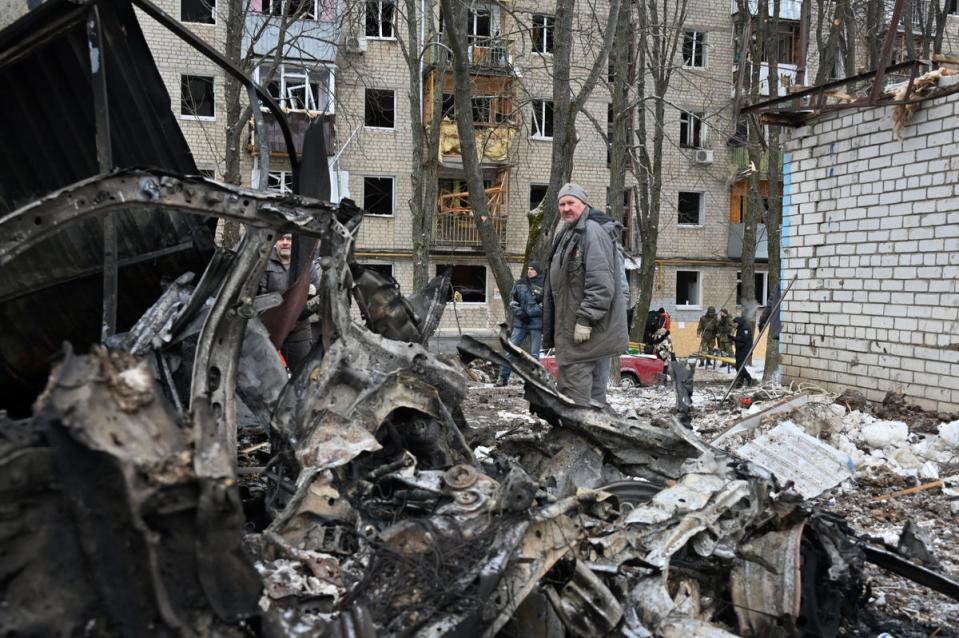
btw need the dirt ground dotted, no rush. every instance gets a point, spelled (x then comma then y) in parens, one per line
(894, 604)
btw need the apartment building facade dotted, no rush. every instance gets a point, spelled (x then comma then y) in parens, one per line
(346, 63)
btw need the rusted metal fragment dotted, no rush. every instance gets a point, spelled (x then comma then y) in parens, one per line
(387, 312)
(765, 584)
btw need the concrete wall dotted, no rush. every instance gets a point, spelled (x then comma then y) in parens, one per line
(871, 234)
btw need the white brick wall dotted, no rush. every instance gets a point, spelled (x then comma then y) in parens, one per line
(870, 227)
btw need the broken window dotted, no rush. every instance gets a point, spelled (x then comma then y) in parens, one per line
(536, 194)
(469, 282)
(479, 27)
(688, 288)
(449, 106)
(482, 110)
(761, 280)
(690, 130)
(787, 43)
(378, 195)
(379, 19)
(297, 88)
(690, 208)
(542, 35)
(196, 96)
(297, 9)
(279, 181)
(543, 119)
(380, 108)
(201, 11)
(694, 49)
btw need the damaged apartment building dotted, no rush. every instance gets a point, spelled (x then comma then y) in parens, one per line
(345, 63)
(162, 473)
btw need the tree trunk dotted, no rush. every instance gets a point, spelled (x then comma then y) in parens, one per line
(773, 218)
(565, 108)
(455, 14)
(425, 139)
(234, 127)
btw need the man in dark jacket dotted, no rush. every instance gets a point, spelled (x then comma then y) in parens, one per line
(526, 306)
(276, 279)
(744, 342)
(585, 298)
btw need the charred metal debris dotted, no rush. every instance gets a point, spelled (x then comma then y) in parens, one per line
(176, 480)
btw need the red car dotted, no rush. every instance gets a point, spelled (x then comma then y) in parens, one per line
(634, 369)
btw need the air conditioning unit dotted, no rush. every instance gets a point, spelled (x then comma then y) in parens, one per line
(354, 44)
(703, 156)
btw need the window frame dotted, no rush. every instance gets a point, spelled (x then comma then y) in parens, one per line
(699, 291)
(285, 71)
(313, 14)
(379, 22)
(702, 48)
(548, 29)
(193, 116)
(694, 124)
(393, 194)
(281, 176)
(212, 13)
(366, 93)
(702, 209)
(540, 105)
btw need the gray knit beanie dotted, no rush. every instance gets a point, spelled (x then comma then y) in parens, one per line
(576, 191)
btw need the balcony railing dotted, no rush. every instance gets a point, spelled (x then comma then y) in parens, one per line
(453, 224)
(298, 121)
(489, 52)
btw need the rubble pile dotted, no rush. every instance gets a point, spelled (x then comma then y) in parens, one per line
(177, 480)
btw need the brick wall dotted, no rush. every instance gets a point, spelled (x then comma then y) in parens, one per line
(871, 234)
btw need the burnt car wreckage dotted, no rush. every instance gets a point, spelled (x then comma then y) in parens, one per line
(175, 480)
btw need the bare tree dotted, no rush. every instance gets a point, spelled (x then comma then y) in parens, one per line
(455, 14)
(421, 35)
(660, 31)
(567, 104)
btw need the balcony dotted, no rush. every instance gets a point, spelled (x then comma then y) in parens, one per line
(453, 225)
(307, 38)
(299, 121)
(493, 141)
(490, 53)
(734, 243)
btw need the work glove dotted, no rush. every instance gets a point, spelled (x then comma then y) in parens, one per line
(313, 303)
(581, 333)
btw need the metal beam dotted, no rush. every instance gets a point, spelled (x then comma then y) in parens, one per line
(101, 118)
(886, 54)
(139, 190)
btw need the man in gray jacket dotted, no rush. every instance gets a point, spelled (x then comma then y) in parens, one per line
(585, 299)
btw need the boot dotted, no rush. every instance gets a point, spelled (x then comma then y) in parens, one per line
(501, 382)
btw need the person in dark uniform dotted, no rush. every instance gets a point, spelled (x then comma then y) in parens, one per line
(744, 342)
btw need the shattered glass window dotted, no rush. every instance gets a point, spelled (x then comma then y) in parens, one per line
(543, 119)
(694, 49)
(449, 106)
(380, 108)
(690, 208)
(688, 288)
(299, 9)
(201, 11)
(279, 181)
(379, 19)
(761, 280)
(378, 195)
(690, 130)
(469, 282)
(542, 35)
(536, 194)
(196, 96)
(299, 89)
